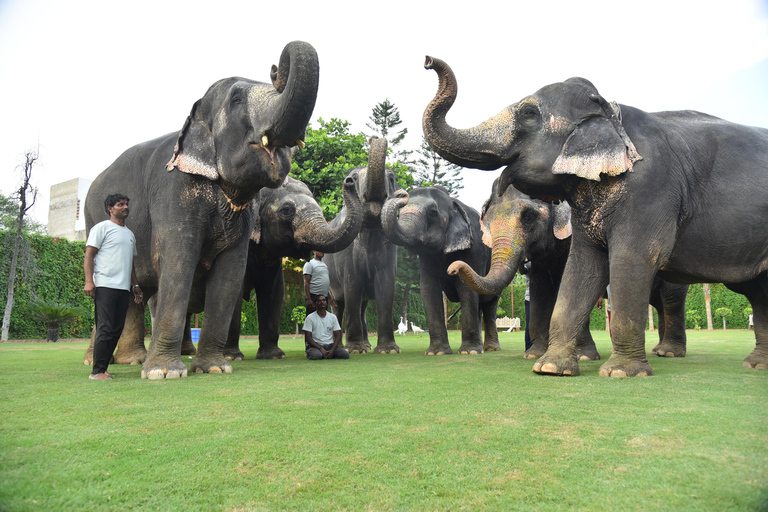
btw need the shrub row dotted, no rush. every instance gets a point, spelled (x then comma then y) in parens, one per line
(52, 268)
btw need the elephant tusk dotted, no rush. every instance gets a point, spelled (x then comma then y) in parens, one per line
(300, 143)
(264, 141)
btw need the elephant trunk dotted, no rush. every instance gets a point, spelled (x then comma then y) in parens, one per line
(338, 234)
(506, 255)
(376, 186)
(389, 220)
(296, 80)
(482, 147)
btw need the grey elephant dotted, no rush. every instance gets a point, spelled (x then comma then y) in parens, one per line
(366, 269)
(442, 230)
(667, 193)
(191, 195)
(542, 235)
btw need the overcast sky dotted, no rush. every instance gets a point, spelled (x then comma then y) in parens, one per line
(88, 79)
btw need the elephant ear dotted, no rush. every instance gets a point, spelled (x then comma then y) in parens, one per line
(458, 237)
(561, 220)
(598, 145)
(195, 152)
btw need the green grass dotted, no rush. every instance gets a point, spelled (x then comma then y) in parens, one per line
(386, 432)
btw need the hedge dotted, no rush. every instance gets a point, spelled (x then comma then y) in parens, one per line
(54, 270)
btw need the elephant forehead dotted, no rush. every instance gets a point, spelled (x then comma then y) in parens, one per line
(557, 124)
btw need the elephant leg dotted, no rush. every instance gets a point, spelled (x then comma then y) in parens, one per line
(364, 323)
(187, 347)
(756, 292)
(543, 290)
(88, 356)
(269, 296)
(471, 341)
(353, 318)
(338, 310)
(632, 277)
(231, 348)
(169, 311)
(130, 346)
(432, 297)
(584, 279)
(669, 301)
(223, 294)
(491, 338)
(585, 345)
(384, 289)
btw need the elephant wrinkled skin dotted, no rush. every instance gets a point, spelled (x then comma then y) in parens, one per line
(442, 230)
(191, 196)
(667, 193)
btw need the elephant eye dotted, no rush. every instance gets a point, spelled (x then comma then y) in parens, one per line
(237, 100)
(528, 216)
(529, 114)
(287, 210)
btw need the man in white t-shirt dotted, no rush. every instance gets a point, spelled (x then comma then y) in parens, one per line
(322, 333)
(317, 281)
(109, 279)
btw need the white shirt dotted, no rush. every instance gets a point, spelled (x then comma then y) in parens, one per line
(113, 262)
(322, 328)
(319, 281)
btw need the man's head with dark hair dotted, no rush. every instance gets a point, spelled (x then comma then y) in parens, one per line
(112, 199)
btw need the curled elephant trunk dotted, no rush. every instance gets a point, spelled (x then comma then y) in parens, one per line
(338, 234)
(505, 258)
(296, 79)
(376, 189)
(389, 220)
(482, 147)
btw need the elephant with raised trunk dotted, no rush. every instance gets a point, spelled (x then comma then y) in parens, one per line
(667, 193)
(366, 269)
(442, 230)
(520, 228)
(191, 195)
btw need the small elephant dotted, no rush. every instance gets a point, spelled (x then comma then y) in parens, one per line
(191, 194)
(667, 193)
(542, 235)
(442, 230)
(366, 269)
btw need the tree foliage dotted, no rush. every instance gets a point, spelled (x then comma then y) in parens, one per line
(384, 118)
(432, 169)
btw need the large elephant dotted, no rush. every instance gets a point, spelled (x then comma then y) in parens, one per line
(366, 269)
(191, 196)
(667, 193)
(442, 230)
(542, 232)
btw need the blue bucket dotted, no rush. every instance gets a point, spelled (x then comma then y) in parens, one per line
(195, 335)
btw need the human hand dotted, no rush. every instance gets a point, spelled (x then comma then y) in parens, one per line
(138, 295)
(89, 289)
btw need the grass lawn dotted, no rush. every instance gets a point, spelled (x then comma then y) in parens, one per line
(386, 432)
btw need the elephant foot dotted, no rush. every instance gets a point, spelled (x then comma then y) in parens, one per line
(756, 360)
(471, 348)
(588, 353)
(668, 350)
(268, 353)
(535, 351)
(88, 357)
(210, 364)
(156, 368)
(439, 350)
(616, 367)
(133, 355)
(552, 363)
(387, 347)
(233, 354)
(188, 348)
(357, 347)
(492, 346)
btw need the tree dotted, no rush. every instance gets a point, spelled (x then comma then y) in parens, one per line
(9, 212)
(431, 169)
(723, 312)
(385, 117)
(25, 204)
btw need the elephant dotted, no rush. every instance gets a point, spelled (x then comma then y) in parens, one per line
(542, 232)
(667, 193)
(191, 194)
(366, 269)
(441, 230)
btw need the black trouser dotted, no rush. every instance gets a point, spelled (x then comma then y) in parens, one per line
(314, 354)
(110, 308)
(527, 318)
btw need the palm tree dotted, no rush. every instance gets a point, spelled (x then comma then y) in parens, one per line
(54, 314)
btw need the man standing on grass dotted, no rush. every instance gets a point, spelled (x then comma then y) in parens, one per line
(317, 281)
(109, 279)
(322, 333)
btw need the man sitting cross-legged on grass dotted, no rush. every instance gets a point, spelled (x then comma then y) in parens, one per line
(322, 333)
